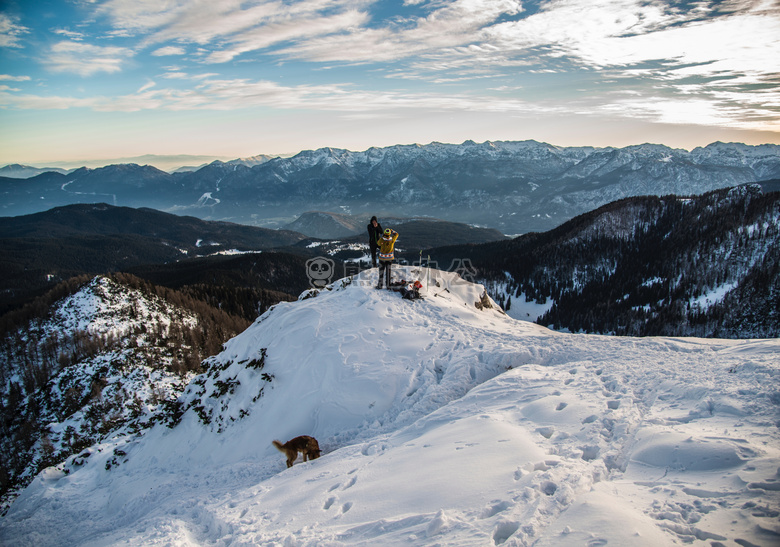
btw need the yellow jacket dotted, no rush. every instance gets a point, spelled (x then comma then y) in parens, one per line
(386, 246)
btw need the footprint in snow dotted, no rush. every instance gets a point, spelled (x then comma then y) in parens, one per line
(495, 507)
(546, 431)
(590, 452)
(548, 488)
(561, 406)
(504, 531)
(545, 465)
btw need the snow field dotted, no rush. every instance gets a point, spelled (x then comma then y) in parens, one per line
(441, 424)
(99, 305)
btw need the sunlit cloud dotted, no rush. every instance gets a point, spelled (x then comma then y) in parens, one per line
(701, 112)
(11, 31)
(756, 111)
(69, 34)
(236, 24)
(86, 59)
(456, 24)
(283, 31)
(169, 50)
(148, 85)
(9, 78)
(216, 94)
(705, 63)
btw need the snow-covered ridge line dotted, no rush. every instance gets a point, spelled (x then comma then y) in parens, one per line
(104, 363)
(717, 153)
(440, 422)
(516, 187)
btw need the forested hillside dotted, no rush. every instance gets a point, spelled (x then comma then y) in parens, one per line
(94, 358)
(681, 266)
(42, 249)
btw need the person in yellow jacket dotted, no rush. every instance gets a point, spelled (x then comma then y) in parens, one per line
(386, 256)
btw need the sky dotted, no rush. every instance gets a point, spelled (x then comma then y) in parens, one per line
(85, 80)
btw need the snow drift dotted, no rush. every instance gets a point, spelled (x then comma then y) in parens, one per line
(441, 422)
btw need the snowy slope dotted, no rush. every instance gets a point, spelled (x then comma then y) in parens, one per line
(101, 361)
(441, 424)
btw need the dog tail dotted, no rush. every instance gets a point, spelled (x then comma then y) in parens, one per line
(278, 446)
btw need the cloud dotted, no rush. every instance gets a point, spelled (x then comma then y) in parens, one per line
(233, 94)
(285, 31)
(85, 59)
(11, 31)
(223, 21)
(697, 111)
(624, 33)
(76, 36)
(452, 25)
(755, 110)
(9, 78)
(473, 36)
(311, 30)
(169, 50)
(692, 60)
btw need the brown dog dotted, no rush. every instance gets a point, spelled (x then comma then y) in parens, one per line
(304, 444)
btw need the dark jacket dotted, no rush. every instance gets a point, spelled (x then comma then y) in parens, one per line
(374, 234)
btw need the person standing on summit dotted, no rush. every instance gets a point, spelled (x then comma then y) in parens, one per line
(374, 235)
(386, 256)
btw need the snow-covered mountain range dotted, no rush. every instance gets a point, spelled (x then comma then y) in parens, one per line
(442, 422)
(516, 187)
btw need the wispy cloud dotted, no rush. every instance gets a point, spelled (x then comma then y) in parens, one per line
(457, 24)
(282, 31)
(169, 50)
(697, 111)
(472, 36)
(86, 59)
(9, 78)
(11, 31)
(224, 94)
(69, 34)
(706, 62)
(175, 75)
(230, 23)
(148, 85)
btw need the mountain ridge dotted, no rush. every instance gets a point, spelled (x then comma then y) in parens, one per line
(702, 266)
(515, 187)
(44, 248)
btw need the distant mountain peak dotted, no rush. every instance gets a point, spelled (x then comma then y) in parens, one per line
(513, 186)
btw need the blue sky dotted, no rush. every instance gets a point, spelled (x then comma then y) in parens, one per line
(89, 80)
